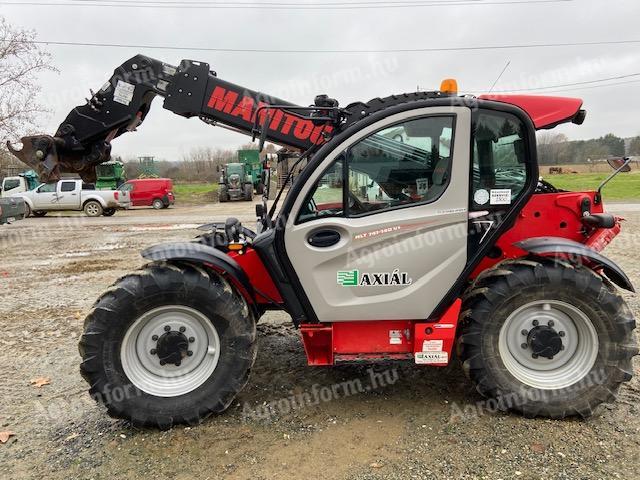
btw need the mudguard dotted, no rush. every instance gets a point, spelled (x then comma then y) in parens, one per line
(203, 254)
(556, 246)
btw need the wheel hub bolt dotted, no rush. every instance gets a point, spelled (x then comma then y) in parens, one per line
(189, 353)
(178, 364)
(550, 323)
(524, 345)
(167, 328)
(561, 347)
(182, 329)
(192, 339)
(535, 323)
(154, 337)
(153, 351)
(533, 355)
(525, 332)
(162, 362)
(561, 333)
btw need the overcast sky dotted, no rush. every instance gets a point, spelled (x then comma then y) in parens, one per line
(347, 77)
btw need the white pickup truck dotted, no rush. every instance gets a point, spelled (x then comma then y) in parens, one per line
(73, 195)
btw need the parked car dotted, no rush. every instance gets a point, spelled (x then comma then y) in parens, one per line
(12, 209)
(69, 194)
(150, 192)
(20, 183)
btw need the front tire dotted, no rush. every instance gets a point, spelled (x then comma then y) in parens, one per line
(158, 204)
(142, 371)
(109, 212)
(248, 192)
(39, 213)
(223, 195)
(546, 338)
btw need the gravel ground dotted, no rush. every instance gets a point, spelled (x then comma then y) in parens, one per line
(407, 422)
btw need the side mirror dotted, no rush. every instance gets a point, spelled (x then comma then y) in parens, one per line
(619, 163)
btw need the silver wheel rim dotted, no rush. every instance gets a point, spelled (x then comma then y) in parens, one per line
(143, 368)
(92, 209)
(157, 204)
(570, 365)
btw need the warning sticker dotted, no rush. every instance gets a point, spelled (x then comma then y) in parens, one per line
(123, 93)
(395, 337)
(432, 346)
(422, 186)
(431, 358)
(500, 196)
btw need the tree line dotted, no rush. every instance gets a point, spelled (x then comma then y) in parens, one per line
(557, 149)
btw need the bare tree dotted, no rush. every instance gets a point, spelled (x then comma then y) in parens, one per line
(21, 60)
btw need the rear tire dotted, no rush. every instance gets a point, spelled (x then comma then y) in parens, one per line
(131, 382)
(93, 209)
(27, 210)
(39, 213)
(588, 347)
(109, 212)
(158, 204)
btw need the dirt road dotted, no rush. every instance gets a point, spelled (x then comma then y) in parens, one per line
(292, 421)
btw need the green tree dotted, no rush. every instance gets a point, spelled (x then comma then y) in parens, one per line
(614, 144)
(634, 146)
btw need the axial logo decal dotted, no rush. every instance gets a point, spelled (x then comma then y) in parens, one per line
(355, 278)
(348, 279)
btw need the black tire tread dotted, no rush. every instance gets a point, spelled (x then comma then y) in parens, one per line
(149, 278)
(496, 283)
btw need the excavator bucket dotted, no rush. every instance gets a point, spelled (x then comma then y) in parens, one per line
(39, 152)
(46, 155)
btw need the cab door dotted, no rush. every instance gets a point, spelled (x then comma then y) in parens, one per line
(68, 195)
(45, 197)
(379, 232)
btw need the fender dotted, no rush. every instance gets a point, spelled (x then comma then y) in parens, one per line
(95, 198)
(209, 256)
(556, 246)
(26, 199)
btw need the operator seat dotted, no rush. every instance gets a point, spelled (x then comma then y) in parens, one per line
(439, 178)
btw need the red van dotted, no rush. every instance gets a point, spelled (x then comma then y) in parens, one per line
(150, 192)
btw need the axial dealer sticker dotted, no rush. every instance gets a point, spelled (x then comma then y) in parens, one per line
(123, 93)
(432, 346)
(481, 197)
(356, 278)
(431, 358)
(500, 196)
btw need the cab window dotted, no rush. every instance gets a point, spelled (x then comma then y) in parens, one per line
(404, 164)
(48, 188)
(68, 186)
(11, 184)
(499, 160)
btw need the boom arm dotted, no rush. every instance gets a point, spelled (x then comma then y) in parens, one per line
(83, 140)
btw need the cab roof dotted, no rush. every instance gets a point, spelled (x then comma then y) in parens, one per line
(545, 112)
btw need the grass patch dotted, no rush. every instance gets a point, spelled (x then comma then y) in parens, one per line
(626, 186)
(195, 192)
